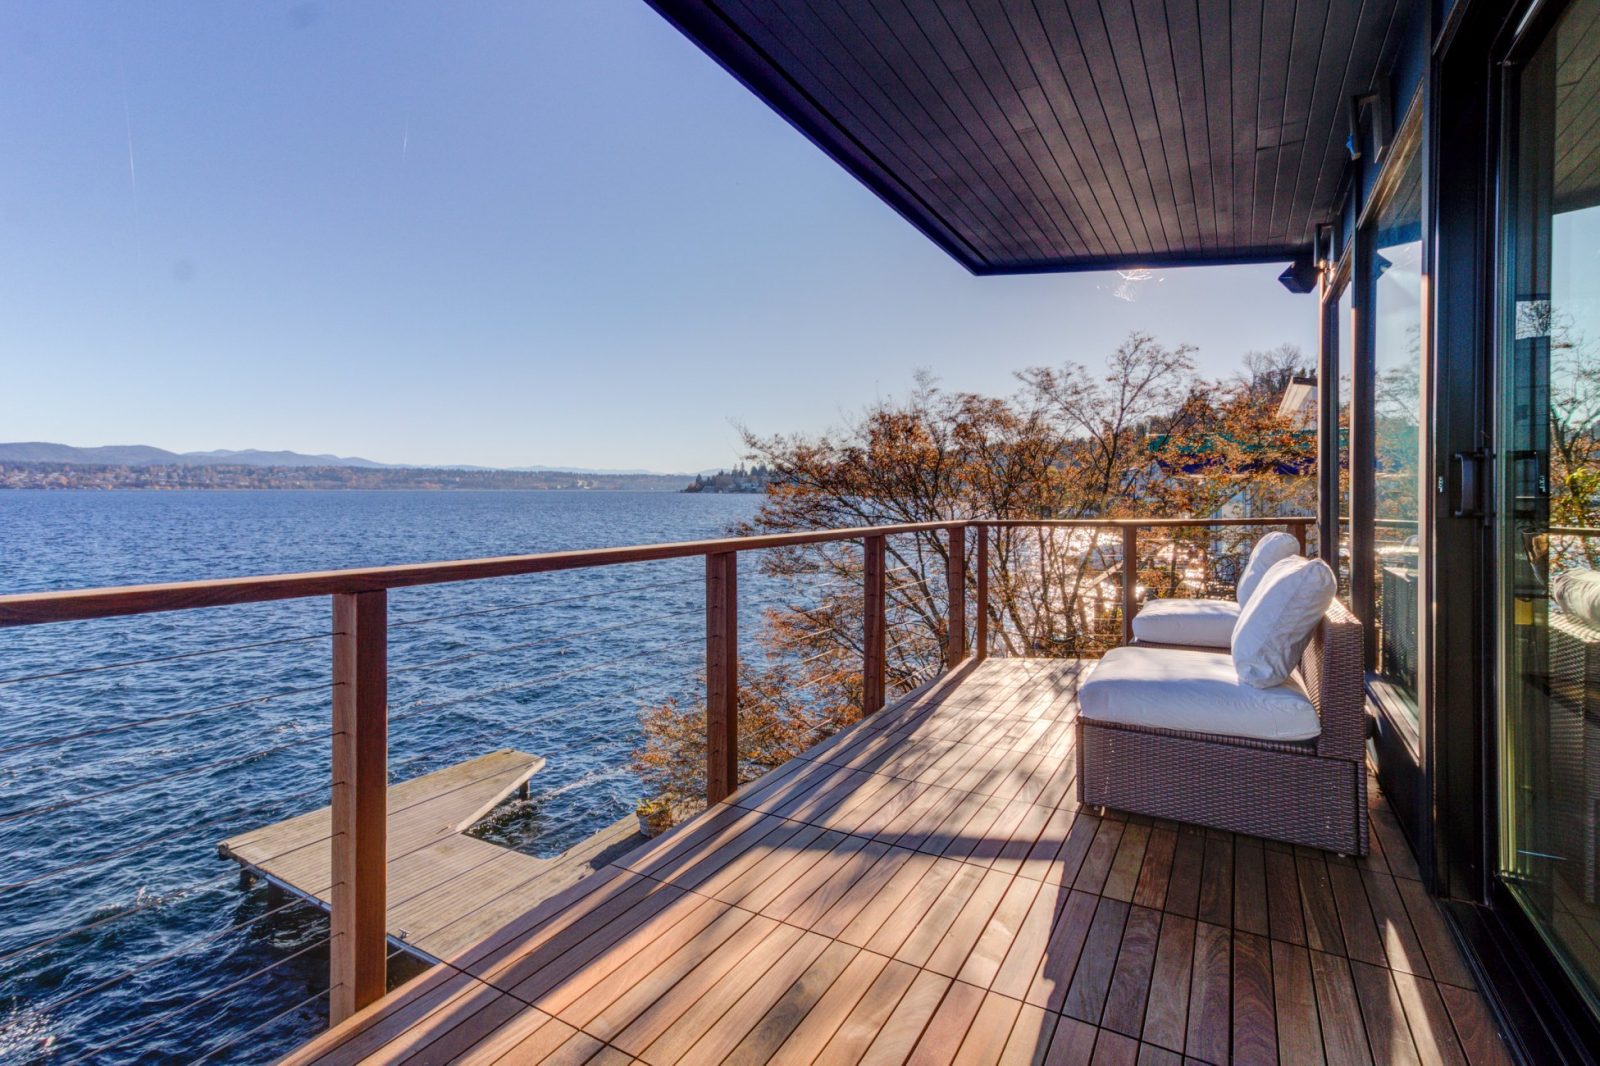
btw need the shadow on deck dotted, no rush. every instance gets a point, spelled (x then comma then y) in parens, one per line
(923, 886)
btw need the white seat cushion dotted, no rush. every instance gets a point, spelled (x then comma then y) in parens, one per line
(1196, 691)
(1193, 623)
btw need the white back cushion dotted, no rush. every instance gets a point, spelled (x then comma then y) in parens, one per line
(1268, 550)
(1275, 626)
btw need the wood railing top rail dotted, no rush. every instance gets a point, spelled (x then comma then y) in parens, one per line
(71, 605)
(33, 608)
(1143, 523)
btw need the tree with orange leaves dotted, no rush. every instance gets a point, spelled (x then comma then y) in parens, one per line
(1149, 437)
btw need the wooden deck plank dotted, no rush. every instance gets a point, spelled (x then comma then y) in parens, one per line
(1210, 994)
(902, 1029)
(675, 1039)
(990, 1033)
(1060, 960)
(1344, 1038)
(1474, 1027)
(1028, 1043)
(813, 1030)
(1429, 1020)
(925, 890)
(1383, 1016)
(1255, 1027)
(1299, 1034)
(1401, 948)
(1183, 886)
(866, 1018)
(1130, 984)
(647, 1002)
(1000, 932)
(1166, 1017)
(767, 996)
(948, 1027)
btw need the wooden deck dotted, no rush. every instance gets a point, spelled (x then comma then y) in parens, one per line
(447, 891)
(922, 888)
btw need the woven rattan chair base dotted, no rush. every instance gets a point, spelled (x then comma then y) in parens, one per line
(1312, 793)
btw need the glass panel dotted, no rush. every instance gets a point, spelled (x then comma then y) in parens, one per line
(1346, 335)
(1549, 522)
(1396, 273)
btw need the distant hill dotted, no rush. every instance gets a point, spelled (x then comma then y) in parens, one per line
(144, 455)
(42, 465)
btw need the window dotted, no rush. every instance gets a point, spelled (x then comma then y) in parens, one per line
(1395, 300)
(1344, 331)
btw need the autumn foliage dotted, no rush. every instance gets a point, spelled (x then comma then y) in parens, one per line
(1146, 437)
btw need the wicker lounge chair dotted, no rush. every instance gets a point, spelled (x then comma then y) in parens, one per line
(1311, 792)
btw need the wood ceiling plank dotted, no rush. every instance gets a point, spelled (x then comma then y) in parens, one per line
(888, 122)
(1136, 137)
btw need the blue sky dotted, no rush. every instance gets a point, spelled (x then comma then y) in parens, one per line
(495, 233)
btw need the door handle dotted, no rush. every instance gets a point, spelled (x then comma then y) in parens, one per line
(1467, 470)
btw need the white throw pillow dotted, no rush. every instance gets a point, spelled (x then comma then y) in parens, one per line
(1270, 549)
(1275, 626)
(1578, 593)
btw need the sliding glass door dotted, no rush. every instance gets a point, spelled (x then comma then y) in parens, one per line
(1548, 484)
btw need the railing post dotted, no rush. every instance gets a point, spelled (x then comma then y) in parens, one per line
(722, 675)
(358, 945)
(873, 667)
(956, 585)
(1130, 580)
(980, 642)
(1299, 529)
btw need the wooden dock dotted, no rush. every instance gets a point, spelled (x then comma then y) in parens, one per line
(447, 890)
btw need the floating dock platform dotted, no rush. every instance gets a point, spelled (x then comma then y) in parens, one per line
(447, 890)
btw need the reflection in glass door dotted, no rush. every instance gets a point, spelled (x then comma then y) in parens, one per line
(1343, 329)
(1395, 270)
(1549, 486)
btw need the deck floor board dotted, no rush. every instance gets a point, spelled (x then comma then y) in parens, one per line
(923, 888)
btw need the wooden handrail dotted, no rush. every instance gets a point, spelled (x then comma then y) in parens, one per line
(1139, 523)
(71, 605)
(35, 608)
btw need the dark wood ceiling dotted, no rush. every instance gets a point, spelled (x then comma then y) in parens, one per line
(1030, 135)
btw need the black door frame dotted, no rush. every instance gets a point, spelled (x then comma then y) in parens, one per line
(1470, 82)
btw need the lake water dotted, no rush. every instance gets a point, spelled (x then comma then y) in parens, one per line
(126, 938)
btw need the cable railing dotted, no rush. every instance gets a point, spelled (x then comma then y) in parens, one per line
(890, 609)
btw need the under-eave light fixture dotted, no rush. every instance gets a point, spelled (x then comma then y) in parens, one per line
(1301, 275)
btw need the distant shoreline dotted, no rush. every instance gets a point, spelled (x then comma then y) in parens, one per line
(213, 477)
